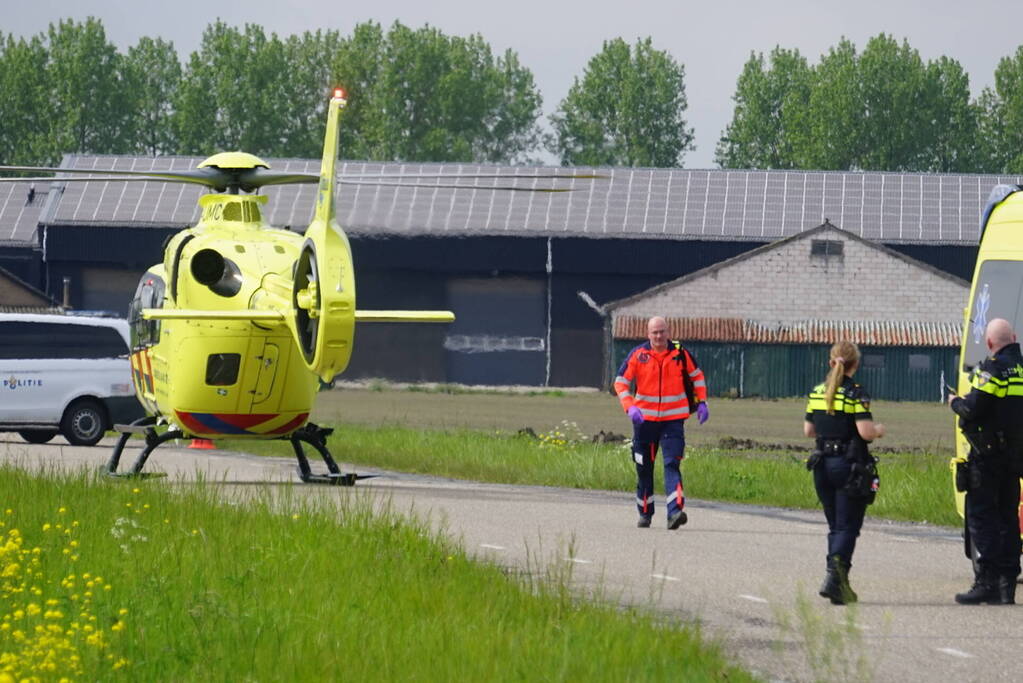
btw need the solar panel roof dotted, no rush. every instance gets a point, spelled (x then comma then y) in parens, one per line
(641, 203)
(19, 217)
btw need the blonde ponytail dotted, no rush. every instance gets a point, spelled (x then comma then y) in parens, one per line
(844, 356)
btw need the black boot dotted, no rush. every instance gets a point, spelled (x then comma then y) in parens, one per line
(1007, 590)
(836, 584)
(985, 590)
(830, 585)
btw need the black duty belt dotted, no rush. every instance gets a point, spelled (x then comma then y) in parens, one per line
(833, 447)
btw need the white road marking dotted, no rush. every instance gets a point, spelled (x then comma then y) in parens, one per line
(579, 561)
(751, 598)
(664, 577)
(492, 547)
(905, 539)
(954, 652)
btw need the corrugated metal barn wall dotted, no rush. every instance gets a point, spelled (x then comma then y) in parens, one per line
(891, 373)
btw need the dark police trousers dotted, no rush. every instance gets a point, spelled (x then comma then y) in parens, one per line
(992, 515)
(646, 437)
(844, 513)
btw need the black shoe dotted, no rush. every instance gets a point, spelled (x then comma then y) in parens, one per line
(983, 591)
(643, 523)
(676, 520)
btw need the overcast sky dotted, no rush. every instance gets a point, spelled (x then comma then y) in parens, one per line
(556, 38)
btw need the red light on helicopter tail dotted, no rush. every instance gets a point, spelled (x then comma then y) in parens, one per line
(339, 93)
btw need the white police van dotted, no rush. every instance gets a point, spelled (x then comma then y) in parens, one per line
(64, 374)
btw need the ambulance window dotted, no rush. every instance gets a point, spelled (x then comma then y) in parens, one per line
(222, 368)
(996, 294)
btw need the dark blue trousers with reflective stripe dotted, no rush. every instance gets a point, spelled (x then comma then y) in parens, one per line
(646, 438)
(992, 515)
(844, 513)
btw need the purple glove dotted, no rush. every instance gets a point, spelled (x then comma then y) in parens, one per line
(636, 415)
(702, 412)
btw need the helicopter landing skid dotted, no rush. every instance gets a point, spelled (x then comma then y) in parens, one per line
(316, 436)
(146, 426)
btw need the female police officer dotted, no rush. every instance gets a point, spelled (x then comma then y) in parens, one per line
(838, 416)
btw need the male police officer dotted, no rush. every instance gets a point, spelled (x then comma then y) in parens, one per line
(991, 417)
(658, 385)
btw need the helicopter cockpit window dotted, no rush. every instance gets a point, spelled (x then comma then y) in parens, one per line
(233, 211)
(149, 294)
(252, 213)
(222, 368)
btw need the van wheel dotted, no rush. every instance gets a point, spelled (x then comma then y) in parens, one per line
(37, 435)
(84, 423)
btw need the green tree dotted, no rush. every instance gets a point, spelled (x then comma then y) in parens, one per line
(768, 102)
(627, 110)
(883, 109)
(152, 72)
(447, 98)
(25, 106)
(1002, 116)
(234, 93)
(307, 90)
(954, 120)
(895, 132)
(90, 110)
(826, 133)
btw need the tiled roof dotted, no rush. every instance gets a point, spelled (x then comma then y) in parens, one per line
(642, 203)
(866, 332)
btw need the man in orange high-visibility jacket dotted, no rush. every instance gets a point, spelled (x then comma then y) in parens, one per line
(651, 384)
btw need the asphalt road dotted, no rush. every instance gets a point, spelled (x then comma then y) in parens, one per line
(748, 575)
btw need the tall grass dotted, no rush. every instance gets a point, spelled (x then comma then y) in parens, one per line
(914, 487)
(273, 587)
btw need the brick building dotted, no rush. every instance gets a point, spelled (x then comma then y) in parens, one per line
(760, 323)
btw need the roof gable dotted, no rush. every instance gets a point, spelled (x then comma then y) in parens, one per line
(18, 294)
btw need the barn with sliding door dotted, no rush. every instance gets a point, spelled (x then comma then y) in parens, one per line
(761, 324)
(528, 275)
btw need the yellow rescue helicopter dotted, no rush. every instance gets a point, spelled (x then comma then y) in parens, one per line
(234, 331)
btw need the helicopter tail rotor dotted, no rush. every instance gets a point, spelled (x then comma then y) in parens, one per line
(323, 300)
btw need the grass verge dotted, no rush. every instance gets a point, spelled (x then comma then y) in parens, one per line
(914, 487)
(107, 580)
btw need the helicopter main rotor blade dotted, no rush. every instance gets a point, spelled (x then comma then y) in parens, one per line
(259, 177)
(113, 178)
(527, 176)
(210, 177)
(453, 186)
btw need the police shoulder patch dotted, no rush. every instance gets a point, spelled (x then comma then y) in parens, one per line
(983, 378)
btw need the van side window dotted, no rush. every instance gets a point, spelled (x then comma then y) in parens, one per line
(31, 340)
